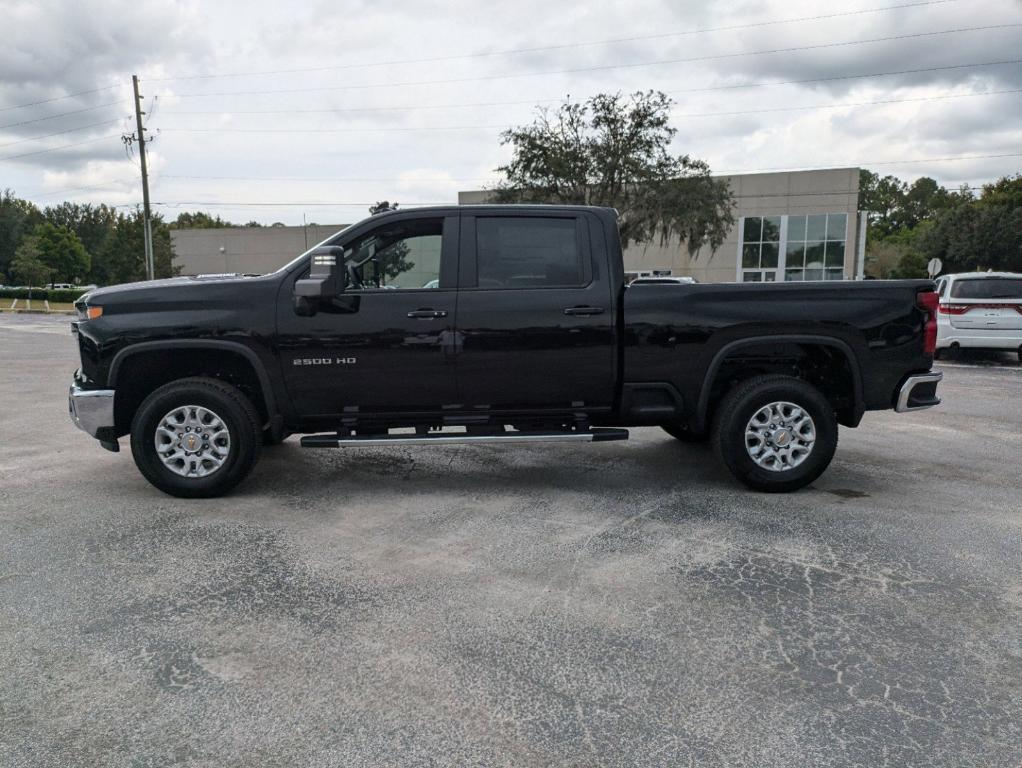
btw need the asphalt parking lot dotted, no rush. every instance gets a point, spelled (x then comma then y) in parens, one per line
(617, 604)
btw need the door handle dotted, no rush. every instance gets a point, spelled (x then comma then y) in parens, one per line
(428, 314)
(583, 311)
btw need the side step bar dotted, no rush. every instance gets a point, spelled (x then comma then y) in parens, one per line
(595, 435)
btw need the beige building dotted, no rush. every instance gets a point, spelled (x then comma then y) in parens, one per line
(797, 225)
(244, 249)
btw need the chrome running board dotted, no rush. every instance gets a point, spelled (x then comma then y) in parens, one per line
(595, 435)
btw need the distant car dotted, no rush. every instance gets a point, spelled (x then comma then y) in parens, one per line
(979, 310)
(663, 280)
(61, 286)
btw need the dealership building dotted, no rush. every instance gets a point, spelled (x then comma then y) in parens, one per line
(795, 225)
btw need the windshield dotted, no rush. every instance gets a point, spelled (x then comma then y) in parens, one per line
(987, 288)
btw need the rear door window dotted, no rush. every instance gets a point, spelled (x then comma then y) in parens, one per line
(528, 252)
(987, 288)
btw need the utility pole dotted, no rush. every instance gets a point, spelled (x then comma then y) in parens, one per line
(150, 264)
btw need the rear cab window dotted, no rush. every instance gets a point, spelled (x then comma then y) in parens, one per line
(516, 252)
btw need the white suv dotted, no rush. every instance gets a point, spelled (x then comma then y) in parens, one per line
(980, 310)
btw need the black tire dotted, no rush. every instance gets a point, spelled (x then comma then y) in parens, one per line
(684, 434)
(227, 402)
(743, 402)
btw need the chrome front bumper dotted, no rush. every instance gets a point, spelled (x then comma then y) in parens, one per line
(91, 409)
(918, 392)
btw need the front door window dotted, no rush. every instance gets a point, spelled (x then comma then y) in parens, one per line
(403, 254)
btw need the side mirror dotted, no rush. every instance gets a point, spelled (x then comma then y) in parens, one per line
(325, 280)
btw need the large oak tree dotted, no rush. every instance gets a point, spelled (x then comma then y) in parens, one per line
(615, 151)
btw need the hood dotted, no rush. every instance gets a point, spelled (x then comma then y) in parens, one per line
(164, 286)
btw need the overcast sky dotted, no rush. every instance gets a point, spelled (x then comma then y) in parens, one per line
(406, 101)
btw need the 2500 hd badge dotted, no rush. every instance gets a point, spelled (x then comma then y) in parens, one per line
(324, 361)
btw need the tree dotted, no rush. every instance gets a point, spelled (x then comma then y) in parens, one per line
(91, 223)
(881, 199)
(17, 219)
(974, 236)
(27, 265)
(199, 220)
(1005, 191)
(882, 259)
(615, 151)
(61, 251)
(380, 207)
(123, 257)
(912, 264)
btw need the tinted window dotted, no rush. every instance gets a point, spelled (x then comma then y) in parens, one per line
(987, 288)
(527, 253)
(402, 254)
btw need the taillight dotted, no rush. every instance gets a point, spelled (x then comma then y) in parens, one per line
(928, 301)
(954, 309)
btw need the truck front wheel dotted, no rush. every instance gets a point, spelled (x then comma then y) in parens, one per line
(196, 437)
(775, 433)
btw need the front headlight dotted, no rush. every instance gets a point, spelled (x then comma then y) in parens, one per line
(85, 312)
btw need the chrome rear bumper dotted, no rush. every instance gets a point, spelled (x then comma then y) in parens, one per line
(918, 392)
(91, 409)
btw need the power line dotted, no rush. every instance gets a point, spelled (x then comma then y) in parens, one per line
(865, 163)
(840, 105)
(59, 98)
(837, 105)
(219, 204)
(825, 193)
(604, 67)
(371, 129)
(417, 107)
(55, 192)
(62, 114)
(321, 178)
(563, 46)
(62, 146)
(906, 161)
(834, 78)
(829, 193)
(58, 133)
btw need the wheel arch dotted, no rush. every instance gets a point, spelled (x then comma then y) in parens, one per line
(233, 361)
(704, 403)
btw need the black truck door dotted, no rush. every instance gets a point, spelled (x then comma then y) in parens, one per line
(385, 344)
(535, 323)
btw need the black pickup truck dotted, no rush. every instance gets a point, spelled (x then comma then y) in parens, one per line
(496, 324)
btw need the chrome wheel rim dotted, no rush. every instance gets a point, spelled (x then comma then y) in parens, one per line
(780, 436)
(192, 441)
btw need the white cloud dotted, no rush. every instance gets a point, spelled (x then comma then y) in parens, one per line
(352, 156)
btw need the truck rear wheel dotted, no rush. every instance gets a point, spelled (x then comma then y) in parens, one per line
(196, 437)
(775, 433)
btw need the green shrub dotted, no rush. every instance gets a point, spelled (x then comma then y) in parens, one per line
(68, 295)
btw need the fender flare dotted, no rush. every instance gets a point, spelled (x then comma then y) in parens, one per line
(703, 403)
(269, 400)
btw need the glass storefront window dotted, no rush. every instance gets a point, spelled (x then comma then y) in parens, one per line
(761, 243)
(815, 247)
